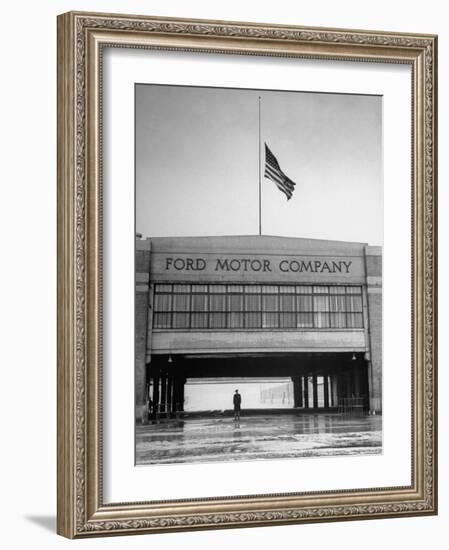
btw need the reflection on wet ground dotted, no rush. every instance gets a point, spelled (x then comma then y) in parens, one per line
(202, 439)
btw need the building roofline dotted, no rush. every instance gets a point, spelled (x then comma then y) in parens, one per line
(258, 237)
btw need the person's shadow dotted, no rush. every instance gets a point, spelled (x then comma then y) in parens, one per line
(46, 522)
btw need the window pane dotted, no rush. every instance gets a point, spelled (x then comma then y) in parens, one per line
(235, 320)
(199, 320)
(163, 288)
(253, 320)
(321, 303)
(288, 320)
(304, 303)
(253, 289)
(270, 303)
(235, 289)
(181, 302)
(199, 288)
(303, 289)
(287, 303)
(162, 320)
(304, 320)
(337, 289)
(358, 320)
(217, 320)
(338, 320)
(252, 302)
(337, 303)
(320, 289)
(286, 289)
(321, 320)
(182, 288)
(162, 302)
(199, 302)
(269, 289)
(353, 290)
(181, 320)
(218, 289)
(217, 302)
(353, 303)
(270, 320)
(235, 302)
(354, 320)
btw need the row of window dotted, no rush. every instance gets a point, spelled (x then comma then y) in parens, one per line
(286, 303)
(254, 289)
(184, 306)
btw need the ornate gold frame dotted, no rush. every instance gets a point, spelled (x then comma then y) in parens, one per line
(81, 37)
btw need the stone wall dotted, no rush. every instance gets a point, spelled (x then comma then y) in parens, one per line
(373, 259)
(141, 321)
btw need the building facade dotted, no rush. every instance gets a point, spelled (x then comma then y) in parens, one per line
(258, 306)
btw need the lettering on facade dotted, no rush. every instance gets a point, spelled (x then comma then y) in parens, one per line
(262, 265)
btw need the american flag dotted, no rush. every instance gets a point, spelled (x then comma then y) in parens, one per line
(273, 172)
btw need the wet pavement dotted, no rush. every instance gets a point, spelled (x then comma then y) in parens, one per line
(221, 439)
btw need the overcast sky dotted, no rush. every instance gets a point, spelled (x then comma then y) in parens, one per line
(197, 163)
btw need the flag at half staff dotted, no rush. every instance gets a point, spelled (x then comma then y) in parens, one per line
(274, 173)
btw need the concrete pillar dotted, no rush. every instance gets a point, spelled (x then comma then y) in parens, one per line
(300, 393)
(341, 388)
(182, 382)
(356, 379)
(348, 384)
(297, 391)
(141, 329)
(335, 396)
(326, 391)
(375, 390)
(315, 391)
(169, 394)
(156, 394)
(306, 392)
(373, 295)
(163, 392)
(140, 392)
(175, 398)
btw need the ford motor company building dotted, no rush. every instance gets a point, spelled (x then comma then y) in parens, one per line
(259, 306)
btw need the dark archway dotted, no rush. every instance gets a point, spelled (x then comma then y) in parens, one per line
(321, 381)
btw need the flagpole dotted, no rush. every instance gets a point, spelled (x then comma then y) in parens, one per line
(260, 169)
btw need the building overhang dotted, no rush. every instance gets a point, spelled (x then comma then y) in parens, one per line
(182, 342)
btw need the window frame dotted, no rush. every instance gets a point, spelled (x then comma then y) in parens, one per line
(322, 315)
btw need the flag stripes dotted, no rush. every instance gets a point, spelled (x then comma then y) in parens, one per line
(274, 173)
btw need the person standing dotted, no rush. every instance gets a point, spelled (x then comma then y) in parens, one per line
(237, 404)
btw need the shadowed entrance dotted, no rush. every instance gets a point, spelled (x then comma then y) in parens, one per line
(319, 381)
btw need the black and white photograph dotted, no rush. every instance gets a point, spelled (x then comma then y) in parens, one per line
(258, 274)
